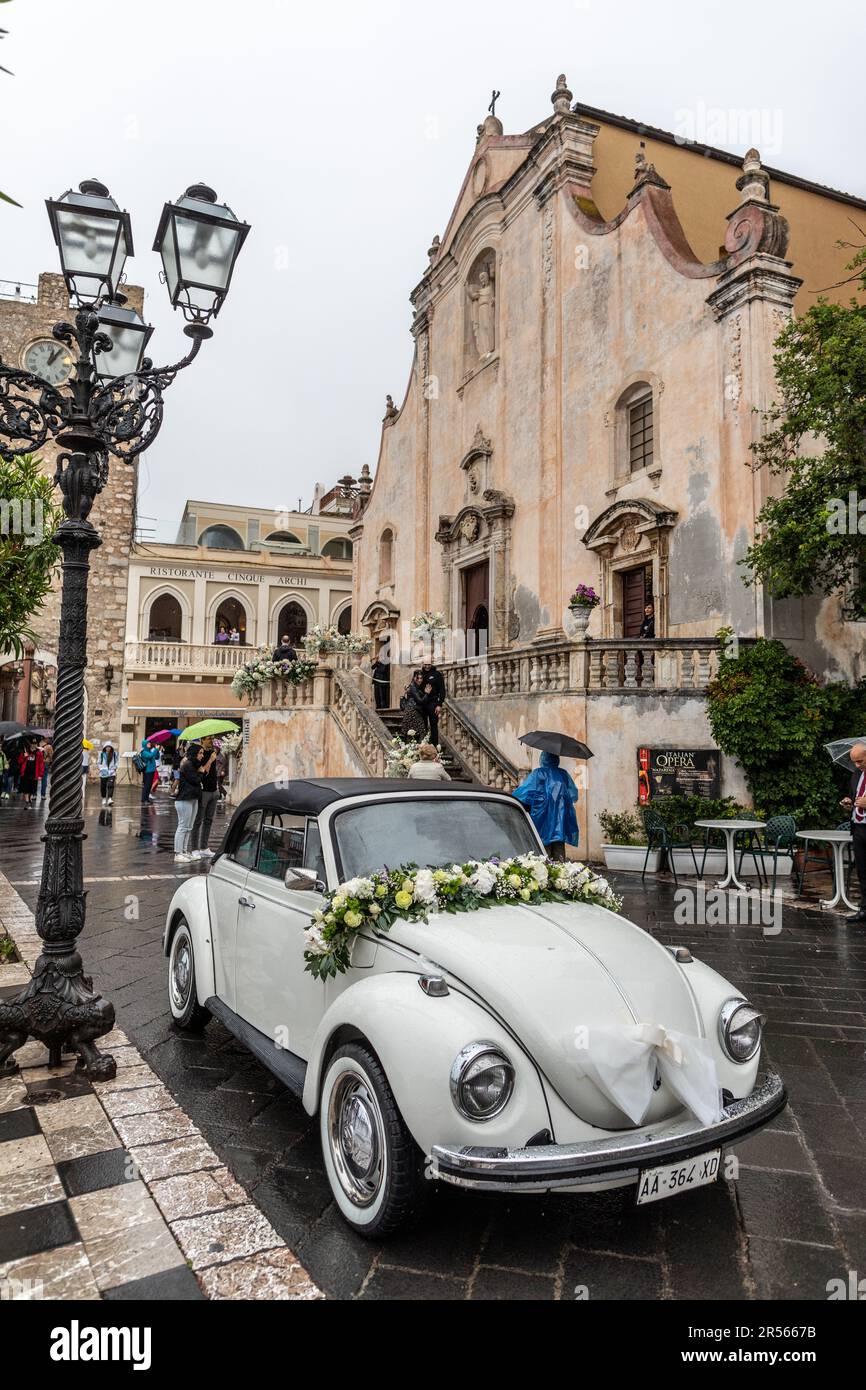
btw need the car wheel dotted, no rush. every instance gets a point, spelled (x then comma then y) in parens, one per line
(185, 1008)
(374, 1166)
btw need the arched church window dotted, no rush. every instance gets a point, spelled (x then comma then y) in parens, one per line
(386, 557)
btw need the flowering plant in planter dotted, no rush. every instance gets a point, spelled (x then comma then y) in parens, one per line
(427, 624)
(262, 669)
(584, 596)
(330, 639)
(416, 894)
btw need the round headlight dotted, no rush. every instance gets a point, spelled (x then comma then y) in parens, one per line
(482, 1080)
(740, 1028)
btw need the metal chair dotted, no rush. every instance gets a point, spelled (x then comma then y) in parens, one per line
(662, 837)
(779, 837)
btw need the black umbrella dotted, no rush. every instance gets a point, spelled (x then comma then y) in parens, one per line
(10, 727)
(24, 731)
(563, 744)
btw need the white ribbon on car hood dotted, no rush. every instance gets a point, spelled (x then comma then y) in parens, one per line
(622, 1062)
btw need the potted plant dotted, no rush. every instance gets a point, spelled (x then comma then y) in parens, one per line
(625, 842)
(580, 606)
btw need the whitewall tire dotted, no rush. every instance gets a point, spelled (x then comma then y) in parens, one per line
(374, 1166)
(185, 1008)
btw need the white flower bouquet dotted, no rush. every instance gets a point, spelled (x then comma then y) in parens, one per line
(413, 893)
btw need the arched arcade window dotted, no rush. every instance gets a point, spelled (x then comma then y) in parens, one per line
(231, 614)
(165, 623)
(292, 623)
(338, 549)
(221, 538)
(282, 538)
(344, 622)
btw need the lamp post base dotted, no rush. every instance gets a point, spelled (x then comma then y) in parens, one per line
(59, 1008)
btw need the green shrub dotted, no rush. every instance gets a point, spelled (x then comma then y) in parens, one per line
(770, 713)
(621, 828)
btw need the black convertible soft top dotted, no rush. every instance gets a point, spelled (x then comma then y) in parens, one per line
(310, 795)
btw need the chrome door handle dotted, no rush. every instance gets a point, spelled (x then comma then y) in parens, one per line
(245, 901)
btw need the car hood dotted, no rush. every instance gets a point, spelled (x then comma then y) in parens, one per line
(554, 970)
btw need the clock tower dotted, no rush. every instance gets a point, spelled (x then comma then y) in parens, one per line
(27, 688)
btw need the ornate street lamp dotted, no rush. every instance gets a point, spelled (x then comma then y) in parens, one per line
(129, 336)
(112, 405)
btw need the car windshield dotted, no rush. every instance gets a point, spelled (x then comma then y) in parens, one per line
(430, 831)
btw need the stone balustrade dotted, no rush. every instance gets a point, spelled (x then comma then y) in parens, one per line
(186, 657)
(605, 665)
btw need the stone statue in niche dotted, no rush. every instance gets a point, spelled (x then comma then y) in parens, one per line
(482, 297)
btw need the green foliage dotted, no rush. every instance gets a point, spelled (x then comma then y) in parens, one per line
(29, 517)
(621, 828)
(820, 367)
(767, 710)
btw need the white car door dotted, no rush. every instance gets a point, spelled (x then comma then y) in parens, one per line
(226, 883)
(275, 993)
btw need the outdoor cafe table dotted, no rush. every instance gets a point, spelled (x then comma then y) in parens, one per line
(837, 840)
(729, 829)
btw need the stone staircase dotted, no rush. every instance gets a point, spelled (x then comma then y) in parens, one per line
(453, 765)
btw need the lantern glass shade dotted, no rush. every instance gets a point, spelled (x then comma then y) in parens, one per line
(198, 240)
(94, 239)
(129, 336)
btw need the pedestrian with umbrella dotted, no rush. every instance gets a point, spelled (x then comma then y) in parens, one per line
(851, 754)
(5, 774)
(146, 760)
(31, 766)
(549, 794)
(193, 772)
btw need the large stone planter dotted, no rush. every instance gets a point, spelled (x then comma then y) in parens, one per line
(714, 867)
(630, 858)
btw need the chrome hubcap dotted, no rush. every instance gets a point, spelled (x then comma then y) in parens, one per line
(181, 972)
(356, 1138)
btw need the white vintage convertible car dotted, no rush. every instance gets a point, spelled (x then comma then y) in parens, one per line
(517, 1048)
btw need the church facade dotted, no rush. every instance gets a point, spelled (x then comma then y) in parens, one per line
(593, 346)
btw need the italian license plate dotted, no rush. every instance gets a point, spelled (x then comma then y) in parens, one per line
(657, 1183)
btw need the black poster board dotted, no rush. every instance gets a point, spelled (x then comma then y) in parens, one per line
(678, 772)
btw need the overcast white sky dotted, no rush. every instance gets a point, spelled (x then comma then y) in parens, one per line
(341, 132)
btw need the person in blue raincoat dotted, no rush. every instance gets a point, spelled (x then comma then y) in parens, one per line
(549, 794)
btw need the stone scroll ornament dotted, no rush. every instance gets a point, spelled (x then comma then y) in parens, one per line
(91, 420)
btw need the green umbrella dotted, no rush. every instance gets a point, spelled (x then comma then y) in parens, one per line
(209, 726)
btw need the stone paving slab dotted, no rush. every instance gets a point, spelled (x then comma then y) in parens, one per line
(795, 1218)
(77, 1217)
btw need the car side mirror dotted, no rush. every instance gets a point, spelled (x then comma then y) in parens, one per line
(303, 881)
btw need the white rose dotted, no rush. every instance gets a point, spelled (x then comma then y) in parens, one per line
(483, 879)
(316, 942)
(425, 887)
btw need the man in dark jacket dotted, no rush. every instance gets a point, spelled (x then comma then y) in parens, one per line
(434, 677)
(285, 651)
(381, 673)
(856, 804)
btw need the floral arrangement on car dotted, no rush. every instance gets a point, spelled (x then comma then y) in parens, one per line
(584, 596)
(416, 894)
(401, 754)
(262, 669)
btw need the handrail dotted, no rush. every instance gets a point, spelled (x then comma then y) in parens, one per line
(361, 725)
(475, 750)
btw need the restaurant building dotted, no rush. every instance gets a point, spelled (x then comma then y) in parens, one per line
(235, 579)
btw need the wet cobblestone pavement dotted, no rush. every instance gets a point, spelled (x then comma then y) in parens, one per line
(795, 1219)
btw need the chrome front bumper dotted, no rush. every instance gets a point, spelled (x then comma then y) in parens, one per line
(616, 1157)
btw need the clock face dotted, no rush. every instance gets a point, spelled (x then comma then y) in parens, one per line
(50, 360)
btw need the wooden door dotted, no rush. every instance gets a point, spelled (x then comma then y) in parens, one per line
(634, 598)
(475, 606)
